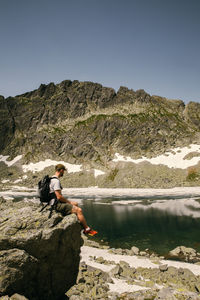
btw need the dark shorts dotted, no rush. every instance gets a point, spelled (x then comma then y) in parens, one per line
(64, 208)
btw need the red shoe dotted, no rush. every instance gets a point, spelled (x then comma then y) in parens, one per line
(90, 232)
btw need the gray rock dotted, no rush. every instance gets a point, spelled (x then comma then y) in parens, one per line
(163, 268)
(100, 260)
(135, 250)
(197, 287)
(143, 253)
(124, 264)
(113, 296)
(166, 294)
(184, 254)
(14, 297)
(76, 297)
(38, 256)
(181, 271)
(117, 270)
(6, 297)
(16, 265)
(18, 297)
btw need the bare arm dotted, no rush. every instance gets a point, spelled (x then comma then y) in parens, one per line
(62, 199)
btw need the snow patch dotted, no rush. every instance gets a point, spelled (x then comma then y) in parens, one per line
(171, 159)
(9, 163)
(18, 180)
(39, 166)
(98, 172)
(5, 181)
(120, 286)
(8, 198)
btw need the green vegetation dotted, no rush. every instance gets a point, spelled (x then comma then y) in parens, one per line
(193, 174)
(113, 174)
(90, 120)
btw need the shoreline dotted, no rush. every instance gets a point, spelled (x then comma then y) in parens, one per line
(94, 190)
(133, 276)
(87, 252)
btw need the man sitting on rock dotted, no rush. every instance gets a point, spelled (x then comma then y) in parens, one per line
(65, 206)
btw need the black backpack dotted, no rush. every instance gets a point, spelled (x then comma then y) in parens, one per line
(44, 193)
(44, 190)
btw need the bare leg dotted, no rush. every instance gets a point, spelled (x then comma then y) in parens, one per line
(78, 211)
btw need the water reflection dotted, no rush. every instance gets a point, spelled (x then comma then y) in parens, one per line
(159, 225)
(180, 207)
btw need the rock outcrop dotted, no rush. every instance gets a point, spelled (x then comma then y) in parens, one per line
(39, 256)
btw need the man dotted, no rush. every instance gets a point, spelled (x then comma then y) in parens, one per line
(65, 206)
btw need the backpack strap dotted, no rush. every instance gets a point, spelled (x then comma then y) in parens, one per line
(44, 206)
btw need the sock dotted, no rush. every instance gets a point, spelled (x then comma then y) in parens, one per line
(87, 229)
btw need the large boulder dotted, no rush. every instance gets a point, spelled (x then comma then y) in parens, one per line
(184, 254)
(16, 265)
(39, 256)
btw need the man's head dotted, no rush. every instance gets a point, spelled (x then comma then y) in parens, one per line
(60, 168)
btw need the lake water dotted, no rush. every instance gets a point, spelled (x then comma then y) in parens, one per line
(159, 220)
(159, 223)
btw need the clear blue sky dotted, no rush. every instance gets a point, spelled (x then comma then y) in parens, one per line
(142, 44)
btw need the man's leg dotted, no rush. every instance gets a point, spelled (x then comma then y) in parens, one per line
(78, 211)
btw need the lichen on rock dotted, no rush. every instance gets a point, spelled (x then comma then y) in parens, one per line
(39, 256)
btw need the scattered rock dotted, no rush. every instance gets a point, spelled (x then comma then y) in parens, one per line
(163, 268)
(117, 270)
(14, 297)
(91, 284)
(143, 253)
(135, 250)
(184, 254)
(17, 297)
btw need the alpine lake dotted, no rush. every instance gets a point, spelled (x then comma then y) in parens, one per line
(156, 223)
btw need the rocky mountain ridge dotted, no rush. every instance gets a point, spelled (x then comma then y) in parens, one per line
(86, 123)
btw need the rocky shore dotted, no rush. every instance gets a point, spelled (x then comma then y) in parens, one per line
(133, 274)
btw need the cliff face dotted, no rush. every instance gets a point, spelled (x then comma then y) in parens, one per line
(39, 256)
(86, 123)
(82, 121)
